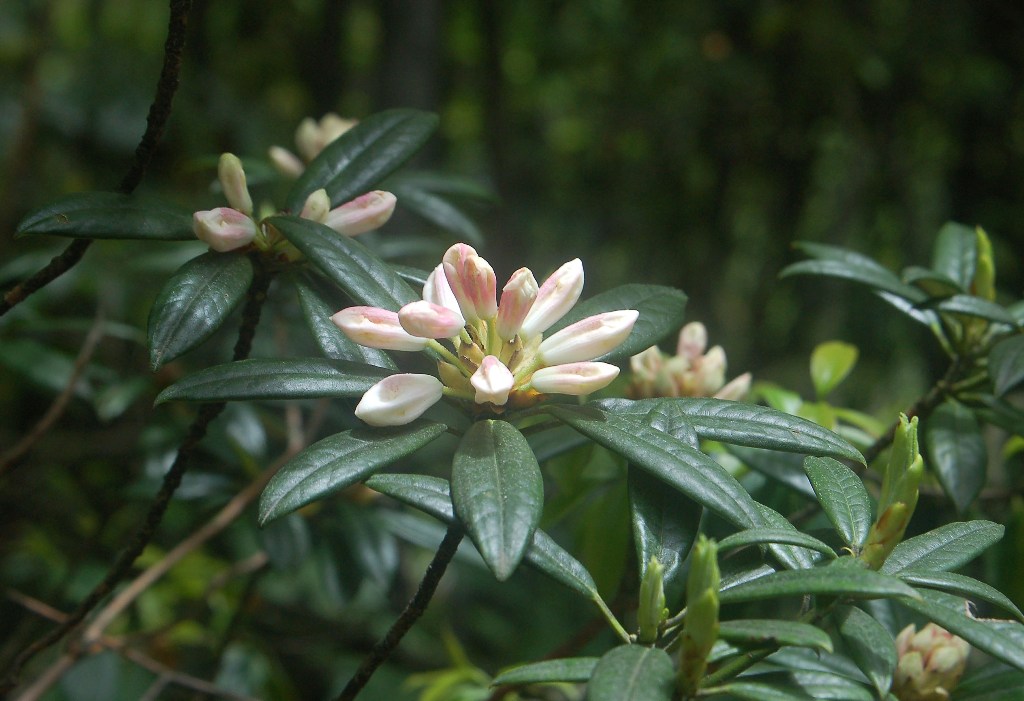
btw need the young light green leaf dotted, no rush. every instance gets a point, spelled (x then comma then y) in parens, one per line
(945, 548)
(258, 378)
(350, 264)
(757, 536)
(109, 215)
(661, 312)
(968, 305)
(339, 461)
(851, 581)
(363, 156)
(843, 498)
(665, 525)
(195, 302)
(632, 673)
(1006, 364)
(498, 492)
(960, 585)
(774, 631)
(870, 646)
(956, 253)
(570, 669)
(956, 452)
(831, 362)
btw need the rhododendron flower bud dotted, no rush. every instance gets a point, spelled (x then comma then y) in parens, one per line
(737, 389)
(517, 297)
(232, 180)
(556, 296)
(286, 162)
(480, 284)
(712, 371)
(428, 320)
(364, 213)
(574, 378)
(492, 381)
(931, 662)
(693, 339)
(437, 290)
(307, 139)
(588, 338)
(399, 399)
(376, 328)
(454, 266)
(318, 204)
(224, 229)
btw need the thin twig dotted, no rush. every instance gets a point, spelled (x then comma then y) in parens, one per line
(413, 610)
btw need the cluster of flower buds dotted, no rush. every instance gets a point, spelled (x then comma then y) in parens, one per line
(931, 662)
(691, 372)
(311, 138)
(230, 228)
(494, 354)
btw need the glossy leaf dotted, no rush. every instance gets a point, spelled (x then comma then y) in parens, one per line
(999, 412)
(665, 524)
(856, 269)
(933, 283)
(745, 424)
(363, 156)
(774, 631)
(785, 468)
(758, 536)
(498, 492)
(437, 210)
(945, 548)
(961, 585)
(831, 362)
(968, 305)
(759, 691)
(956, 253)
(570, 669)
(956, 452)
(109, 215)
(195, 302)
(338, 461)
(1006, 364)
(990, 683)
(257, 378)
(843, 498)
(869, 644)
(661, 312)
(849, 580)
(632, 673)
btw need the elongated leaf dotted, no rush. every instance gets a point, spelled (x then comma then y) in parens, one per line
(1006, 364)
(661, 312)
(745, 424)
(109, 215)
(933, 283)
(968, 305)
(759, 691)
(785, 468)
(570, 669)
(444, 183)
(498, 492)
(873, 276)
(999, 412)
(990, 683)
(831, 362)
(956, 452)
(334, 344)
(665, 524)
(297, 378)
(870, 646)
(956, 253)
(339, 461)
(768, 630)
(843, 498)
(350, 264)
(363, 156)
(791, 555)
(960, 585)
(757, 536)
(437, 210)
(195, 302)
(851, 581)
(922, 316)
(632, 673)
(945, 548)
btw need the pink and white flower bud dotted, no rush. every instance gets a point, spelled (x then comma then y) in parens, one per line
(481, 286)
(399, 399)
(588, 338)
(693, 339)
(332, 126)
(737, 389)
(286, 162)
(232, 180)
(364, 213)
(492, 381)
(307, 139)
(428, 320)
(517, 298)
(556, 296)
(454, 266)
(318, 204)
(376, 328)
(574, 378)
(437, 290)
(712, 371)
(224, 229)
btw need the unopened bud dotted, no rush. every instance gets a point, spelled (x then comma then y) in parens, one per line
(318, 204)
(693, 339)
(700, 628)
(575, 379)
(930, 663)
(651, 612)
(376, 328)
(232, 180)
(555, 297)
(428, 320)
(286, 162)
(492, 381)
(984, 283)
(224, 229)
(364, 213)
(399, 399)
(517, 298)
(589, 338)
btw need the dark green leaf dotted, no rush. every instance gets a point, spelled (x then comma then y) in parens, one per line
(961, 585)
(195, 302)
(665, 524)
(968, 305)
(774, 631)
(571, 669)
(956, 253)
(1006, 364)
(367, 549)
(439, 211)
(956, 452)
(843, 498)
(990, 683)
(785, 468)
(870, 646)
(661, 312)
(350, 264)
(414, 276)
(870, 274)
(999, 412)
(295, 378)
(922, 316)
(498, 492)
(831, 362)
(109, 215)
(444, 183)
(338, 461)
(757, 536)
(851, 581)
(363, 156)
(632, 673)
(286, 542)
(945, 548)
(759, 691)
(933, 283)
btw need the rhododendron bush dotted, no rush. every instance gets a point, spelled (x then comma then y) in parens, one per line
(442, 439)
